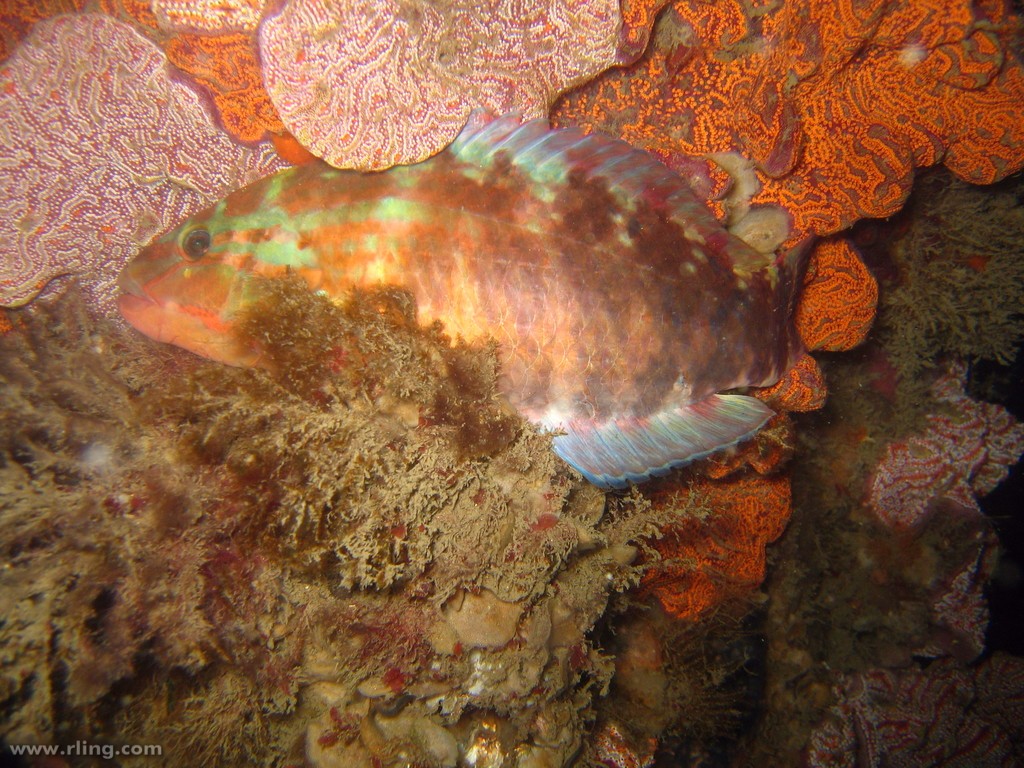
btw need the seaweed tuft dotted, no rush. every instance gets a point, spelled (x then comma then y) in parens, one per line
(357, 555)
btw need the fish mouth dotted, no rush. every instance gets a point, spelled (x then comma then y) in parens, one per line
(128, 283)
(171, 323)
(157, 320)
(144, 315)
(134, 300)
(133, 306)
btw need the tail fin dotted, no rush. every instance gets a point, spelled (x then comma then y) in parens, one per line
(617, 452)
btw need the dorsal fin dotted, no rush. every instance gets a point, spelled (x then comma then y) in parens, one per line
(548, 155)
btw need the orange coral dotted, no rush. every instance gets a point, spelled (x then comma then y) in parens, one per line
(839, 299)
(837, 104)
(765, 453)
(706, 560)
(227, 67)
(637, 21)
(801, 389)
(933, 83)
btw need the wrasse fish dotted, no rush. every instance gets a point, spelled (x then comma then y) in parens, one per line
(624, 311)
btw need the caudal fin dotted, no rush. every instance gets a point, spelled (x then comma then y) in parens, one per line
(617, 452)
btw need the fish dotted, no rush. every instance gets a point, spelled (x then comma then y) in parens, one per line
(629, 321)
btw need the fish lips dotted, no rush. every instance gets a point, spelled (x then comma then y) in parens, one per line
(172, 323)
(142, 311)
(135, 305)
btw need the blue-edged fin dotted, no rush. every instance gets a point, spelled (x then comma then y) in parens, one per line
(615, 453)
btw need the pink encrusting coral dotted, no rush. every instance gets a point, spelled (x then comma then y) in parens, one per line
(208, 16)
(373, 84)
(102, 149)
(964, 453)
(961, 610)
(942, 715)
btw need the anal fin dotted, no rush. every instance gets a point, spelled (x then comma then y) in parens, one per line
(624, 450)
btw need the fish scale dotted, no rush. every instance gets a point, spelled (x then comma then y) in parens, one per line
(625, 314)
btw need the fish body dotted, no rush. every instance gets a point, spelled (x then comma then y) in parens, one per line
(622, 309)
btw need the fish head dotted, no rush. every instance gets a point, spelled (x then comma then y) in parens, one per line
(186, 288)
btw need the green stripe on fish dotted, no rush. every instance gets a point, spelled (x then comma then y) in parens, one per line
(626, 315)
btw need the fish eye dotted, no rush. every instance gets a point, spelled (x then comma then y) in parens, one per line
(196, 243)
